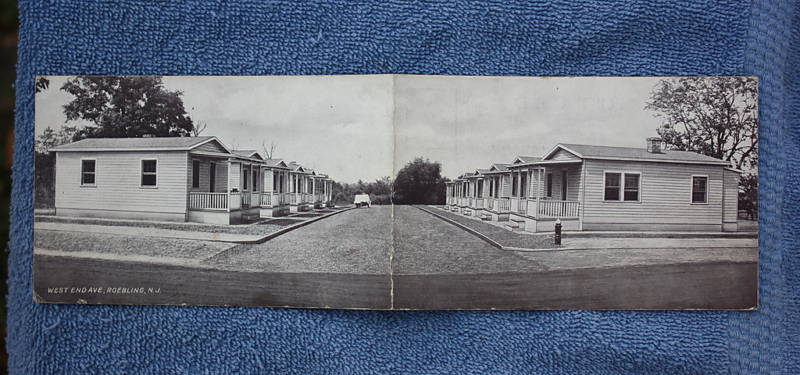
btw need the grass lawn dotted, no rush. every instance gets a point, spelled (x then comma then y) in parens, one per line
(127, 245)
(426, 244)
(264, 226)
(503, 236)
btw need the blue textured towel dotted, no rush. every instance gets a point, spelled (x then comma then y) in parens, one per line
(483, 38)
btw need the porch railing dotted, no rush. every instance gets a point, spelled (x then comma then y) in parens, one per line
(557, 208)
(522, 206)
(293, 198)
(504, 204)
(208, 201)
(268, 198)
(247, 198)
(479, 203)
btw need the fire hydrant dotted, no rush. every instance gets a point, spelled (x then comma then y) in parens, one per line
(557, 236)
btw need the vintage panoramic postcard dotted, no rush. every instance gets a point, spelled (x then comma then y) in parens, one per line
(398, 191)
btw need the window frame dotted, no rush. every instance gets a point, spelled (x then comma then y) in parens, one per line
(142, 173)
(622, 175)
(94, 184)
(691, 189)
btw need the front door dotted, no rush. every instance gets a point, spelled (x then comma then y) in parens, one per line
(563, 185)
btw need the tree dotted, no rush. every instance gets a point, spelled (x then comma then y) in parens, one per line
(199, 129)
(717, 117)
(51, 138)
(713, 116)
(269, 151)
(420, 182)
(42, 84)
(126, 107)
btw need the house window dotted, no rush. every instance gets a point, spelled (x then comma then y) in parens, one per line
(622, 186)
(549, 183)
(244, 179)
(699, 189)
(612, 186)
(631, 192)
(255, 180)
(87, 172)
(149, 169)
(195, 173)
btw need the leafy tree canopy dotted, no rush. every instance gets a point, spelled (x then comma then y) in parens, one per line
(126, 107)
(713, 116)
(420, 182)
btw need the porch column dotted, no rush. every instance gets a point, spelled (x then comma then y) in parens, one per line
(228, 187)
(538, 189)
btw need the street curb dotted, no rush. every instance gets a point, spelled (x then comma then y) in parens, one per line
(291, 228)
(466, 228)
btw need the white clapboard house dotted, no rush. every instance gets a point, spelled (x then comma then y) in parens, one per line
(590, 187)
(170, 179)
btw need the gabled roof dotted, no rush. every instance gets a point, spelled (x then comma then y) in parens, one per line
(477, 173)
(276, 163)
(294, 166)
(525, 160)
(634, 154)
(249, 154)
(138, 144)
(498, 168)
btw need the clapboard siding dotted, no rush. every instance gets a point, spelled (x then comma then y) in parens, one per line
(221, 178)
(731, 197)
(118, 178)
(236, 176)
(665, 194)
(506, 186)
(211, 146)
(268, 180)
(573, 182)
(563, 155)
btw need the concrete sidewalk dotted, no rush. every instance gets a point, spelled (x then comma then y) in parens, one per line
(147, 232)
(656, 243)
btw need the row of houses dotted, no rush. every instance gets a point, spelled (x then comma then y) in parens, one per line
(196, 179)
(605, 188)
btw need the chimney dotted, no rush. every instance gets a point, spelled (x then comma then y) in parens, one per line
(654, 145)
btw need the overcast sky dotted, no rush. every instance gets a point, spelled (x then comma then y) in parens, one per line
(472, 122)
(342, 125)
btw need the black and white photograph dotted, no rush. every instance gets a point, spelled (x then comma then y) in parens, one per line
(397, 192)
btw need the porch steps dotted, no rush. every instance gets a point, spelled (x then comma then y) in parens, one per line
(485, 217)
(516, 224)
